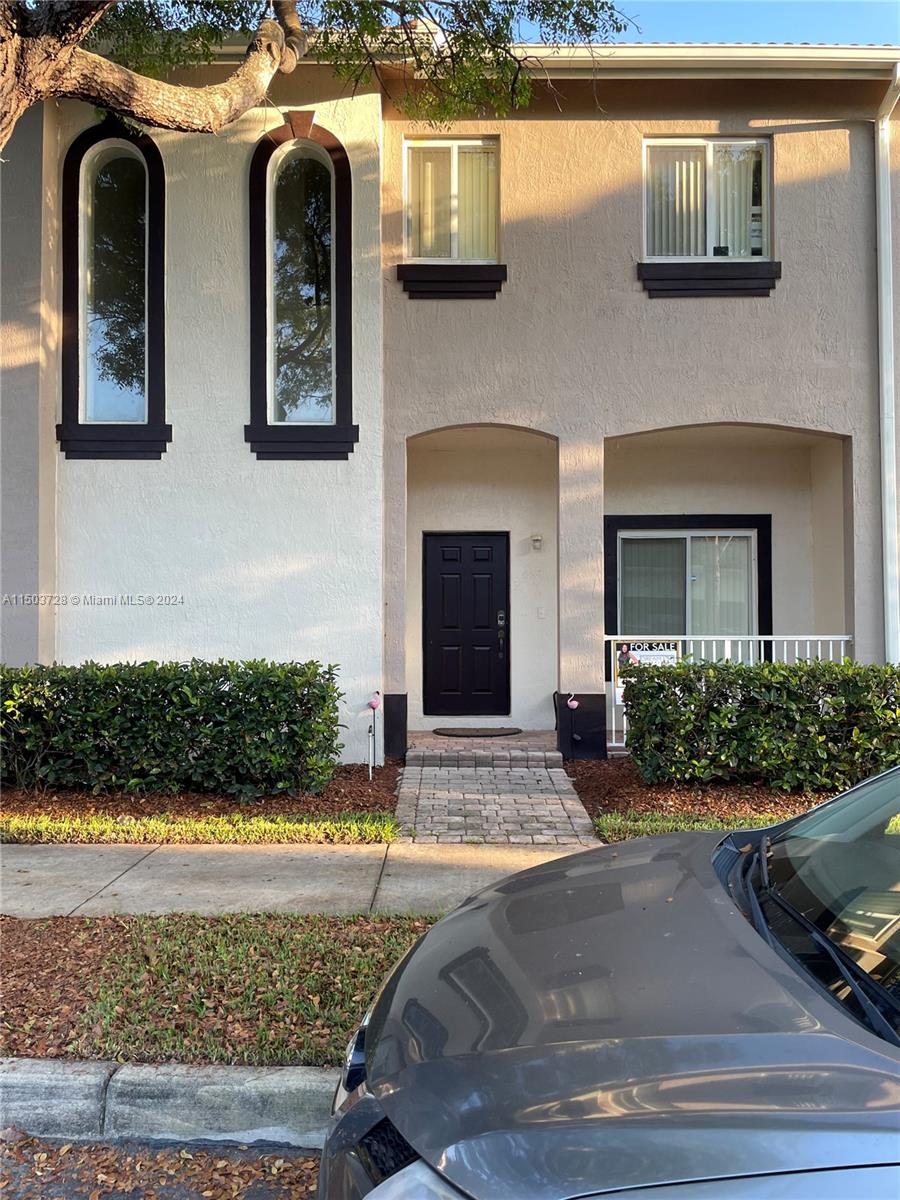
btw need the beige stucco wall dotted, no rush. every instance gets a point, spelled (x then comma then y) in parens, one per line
(502, 481)
(274, 560)
(30, 338)
(574, 347)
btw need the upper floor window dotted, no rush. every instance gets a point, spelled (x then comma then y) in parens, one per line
(113, 369)
(302, 190)
(301, 284)
(452, 201)
(707, 198)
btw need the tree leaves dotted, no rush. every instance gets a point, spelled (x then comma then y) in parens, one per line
(445, 59)
(453, 59)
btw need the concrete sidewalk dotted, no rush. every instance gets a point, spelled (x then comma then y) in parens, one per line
(403, 877)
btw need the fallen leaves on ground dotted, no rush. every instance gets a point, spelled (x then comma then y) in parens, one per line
(41, 1170)
(614, 785)
(255, 989)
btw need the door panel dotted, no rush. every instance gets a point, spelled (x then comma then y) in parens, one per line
(466, 624)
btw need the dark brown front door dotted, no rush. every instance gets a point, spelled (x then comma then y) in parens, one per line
(466, 624)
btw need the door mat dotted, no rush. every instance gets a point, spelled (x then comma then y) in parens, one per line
(476, 733)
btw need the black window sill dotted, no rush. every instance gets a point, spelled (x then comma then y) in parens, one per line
(286, 443)
(113, 441)
(451, 281)
(709, 278)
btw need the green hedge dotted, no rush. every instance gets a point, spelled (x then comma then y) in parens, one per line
(241, 728)
(809, 725)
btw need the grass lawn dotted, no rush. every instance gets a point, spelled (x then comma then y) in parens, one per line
(251, 989)
(352, 808)
(618, 827)
(235, 829)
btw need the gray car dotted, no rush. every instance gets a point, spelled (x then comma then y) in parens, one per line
(673, 1018)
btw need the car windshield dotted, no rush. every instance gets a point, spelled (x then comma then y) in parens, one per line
(836, 872)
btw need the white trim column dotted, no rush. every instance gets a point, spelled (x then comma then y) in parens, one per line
(887, 398)
(581, 620)
(394, 564)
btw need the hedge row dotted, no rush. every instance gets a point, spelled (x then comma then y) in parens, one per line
(809, 725)
(240, 728)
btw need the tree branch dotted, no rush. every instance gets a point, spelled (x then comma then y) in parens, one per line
(189, 109)
(68, 21)
(296, 43)
(11, 14)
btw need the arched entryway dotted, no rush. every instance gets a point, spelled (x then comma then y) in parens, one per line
(481, 635)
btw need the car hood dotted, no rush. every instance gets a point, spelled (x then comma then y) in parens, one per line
(611, 1020)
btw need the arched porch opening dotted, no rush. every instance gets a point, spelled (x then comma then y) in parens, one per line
(481, 629)
(727, 541)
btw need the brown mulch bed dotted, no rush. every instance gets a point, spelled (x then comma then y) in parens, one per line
(350, 790)
(615, 785)
(38, 1170)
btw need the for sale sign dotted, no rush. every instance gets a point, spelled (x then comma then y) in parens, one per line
(656, 653)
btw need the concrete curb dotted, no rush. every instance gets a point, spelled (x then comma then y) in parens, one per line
(104, 1100)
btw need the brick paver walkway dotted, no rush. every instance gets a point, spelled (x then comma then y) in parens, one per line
(516, 805)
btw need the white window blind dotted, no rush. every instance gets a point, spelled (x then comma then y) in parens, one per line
(676, 200)
(429, 201)
(706, 199)
(477, 202)
(652, 585)
(720, 567)
(737, 182)
(452, 193)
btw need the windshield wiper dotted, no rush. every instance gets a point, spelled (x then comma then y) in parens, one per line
(757, 916)
(762, 857)
(856, 979)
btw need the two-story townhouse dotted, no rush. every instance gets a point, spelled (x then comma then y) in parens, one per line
(476, 411)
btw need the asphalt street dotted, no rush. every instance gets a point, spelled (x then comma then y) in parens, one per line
(41, 1169)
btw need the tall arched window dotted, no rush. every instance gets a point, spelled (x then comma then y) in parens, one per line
(114, 285)
(113, 402)
(302, 289)
(300, 282)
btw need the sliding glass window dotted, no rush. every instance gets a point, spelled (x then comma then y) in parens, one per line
(697, 584)
(706, 198)
(452, 201)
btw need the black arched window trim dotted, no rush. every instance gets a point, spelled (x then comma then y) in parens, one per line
(270, 441)
(79, 439)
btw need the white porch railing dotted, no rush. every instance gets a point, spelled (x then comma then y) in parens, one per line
(750, 649)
